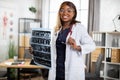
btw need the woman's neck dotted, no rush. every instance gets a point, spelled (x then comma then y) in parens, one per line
(66, 25)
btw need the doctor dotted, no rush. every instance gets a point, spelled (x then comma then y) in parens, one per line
(70, 41)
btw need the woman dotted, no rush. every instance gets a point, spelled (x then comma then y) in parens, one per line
(70, 41)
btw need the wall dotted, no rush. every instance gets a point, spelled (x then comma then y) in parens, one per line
(12, 10)
(108, 10)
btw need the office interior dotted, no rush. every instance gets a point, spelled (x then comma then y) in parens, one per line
(100, 17)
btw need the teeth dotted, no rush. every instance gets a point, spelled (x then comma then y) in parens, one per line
(65, 17)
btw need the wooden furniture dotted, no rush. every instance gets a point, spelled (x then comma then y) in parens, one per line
(25, 65)
(108, 43)
(29, 72)
(25, 26)
(3, 75)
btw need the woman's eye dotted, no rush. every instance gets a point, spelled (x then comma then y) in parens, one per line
(62, 10)
(69, 10)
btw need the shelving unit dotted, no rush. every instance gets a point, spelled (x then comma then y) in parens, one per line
(108, 43)
(25, 26)
(40, 42)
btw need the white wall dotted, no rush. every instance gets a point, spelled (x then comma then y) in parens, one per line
(108, 10)
(19, 9)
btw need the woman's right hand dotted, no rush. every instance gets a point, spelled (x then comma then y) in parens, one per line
(72, 42)
(30, 50)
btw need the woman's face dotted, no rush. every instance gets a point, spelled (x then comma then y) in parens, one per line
(66, 13)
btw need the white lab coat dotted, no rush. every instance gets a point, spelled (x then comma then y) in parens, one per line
(74, 64)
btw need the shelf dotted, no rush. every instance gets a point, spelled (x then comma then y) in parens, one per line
(25, 32)
(25, 26)
(112, 78)
(112, 63)
(94, 61)
(108, 43)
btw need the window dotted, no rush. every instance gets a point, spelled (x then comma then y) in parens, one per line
(51, 9)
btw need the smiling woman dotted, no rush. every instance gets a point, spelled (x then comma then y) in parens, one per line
(70, 41)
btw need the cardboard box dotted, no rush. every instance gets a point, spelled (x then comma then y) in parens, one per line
(115, 55)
